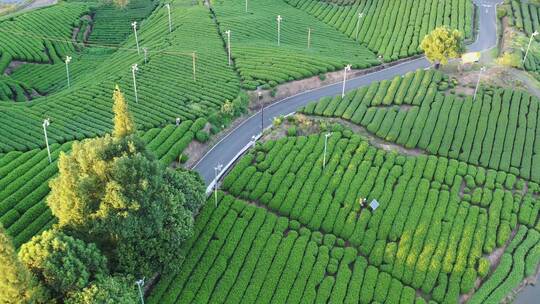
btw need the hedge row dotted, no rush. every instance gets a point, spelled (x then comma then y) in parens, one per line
(393, 29)
(498, 131)
(436, 219)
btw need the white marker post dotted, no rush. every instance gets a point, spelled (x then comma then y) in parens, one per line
(217, 170)
(228, 32)
(169, 12)
(325, 144)
(529, 46)
(482, 69)
(134, 25)
(46, 123)
(140, 284)
(308, 37)
(68, 60)
(134, 69)
(347, 68)
(279, 29)
(360, 16)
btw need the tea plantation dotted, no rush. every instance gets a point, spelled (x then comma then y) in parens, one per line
(454, 173)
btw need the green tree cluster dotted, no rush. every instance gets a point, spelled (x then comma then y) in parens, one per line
(121, 215)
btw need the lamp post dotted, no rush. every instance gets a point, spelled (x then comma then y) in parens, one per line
(134, 69)
(279, 29)
(217, 170)
(46, 123)
(193, 55)
(259, 95)
(134, 25)
(140, 284)
(228, 32)
(347, 68)
(169, 12)
(68, 60)
(482, 69)
(325, 144)
(530, 41)
(145, 51)
(360, 16)
(308, 37)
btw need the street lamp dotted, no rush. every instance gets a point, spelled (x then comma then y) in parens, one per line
(140, 284)
(217, 170)
(530, 41)
(46, 123)
(68, 60)
(193, 60)
(279, 29)
(347, 68)
(325, 144)
(259, 95)
(145, 51)
(169, 11)
(134, 25)
(135, 68)
(482, 69)
(308, 37)
(360, 16)
(228, 32)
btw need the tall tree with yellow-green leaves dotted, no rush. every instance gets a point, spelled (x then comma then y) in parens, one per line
(123, 121)
(112, 191)
(442, 44)
(17, 285)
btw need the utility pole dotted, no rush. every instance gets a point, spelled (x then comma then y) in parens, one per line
(228, 32)
(134, 25)
(360, 16)
(325, 144)
(169, 11)
(68, 60)
(140, 284)
(46, 123)
(194, 71)
(217, 170)
(134, 69)
(279, 29)
(347, 68)
(483, 69)
(308, 37)
(529, 46)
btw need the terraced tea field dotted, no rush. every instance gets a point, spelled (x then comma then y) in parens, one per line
(455, 176)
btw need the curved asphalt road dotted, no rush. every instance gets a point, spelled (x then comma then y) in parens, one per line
(226, 150)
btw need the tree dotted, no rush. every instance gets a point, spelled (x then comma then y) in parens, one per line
(123, 121)
(17, 284)
(442, 44)
(121, 3)
(62, 263)
(111, 191)
(109, 290)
